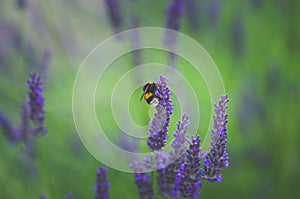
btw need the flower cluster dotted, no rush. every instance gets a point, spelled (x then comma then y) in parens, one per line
(36, 104)
(102, 185)
(158, 131)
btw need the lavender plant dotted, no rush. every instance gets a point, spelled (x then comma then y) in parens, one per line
(182, 171)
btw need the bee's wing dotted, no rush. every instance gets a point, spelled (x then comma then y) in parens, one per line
(143, 95)
(145, 91)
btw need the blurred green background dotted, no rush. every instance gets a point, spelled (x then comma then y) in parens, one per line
(254, 43)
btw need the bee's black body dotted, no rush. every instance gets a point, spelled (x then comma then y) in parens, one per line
(149, 94)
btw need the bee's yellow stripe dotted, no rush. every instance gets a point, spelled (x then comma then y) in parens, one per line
(147, 96)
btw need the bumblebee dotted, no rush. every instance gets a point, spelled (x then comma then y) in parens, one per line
(149, 94)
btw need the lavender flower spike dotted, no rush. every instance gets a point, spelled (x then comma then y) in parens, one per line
(158, 131)
(102, 185)
(36, 104)
(113, 11)
(187, 182)
(178, 144)
(217, 158)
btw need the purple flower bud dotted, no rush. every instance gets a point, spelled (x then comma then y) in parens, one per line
(158, 131)
(217, 158)
(102, 185)
(36, 104)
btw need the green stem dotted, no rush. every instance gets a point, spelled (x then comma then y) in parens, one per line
(45, 167)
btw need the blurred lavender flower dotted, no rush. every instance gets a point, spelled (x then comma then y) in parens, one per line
(128, 143)
(173, 22)
(69, 195)
(193, 13)
(43, 196)
(23, 133)
(187, 182)
(135, 40)
(21, 3)
(256, 3)
(102, 185)
(7, 128)
(174, 13)
(238, 33)
(44, 64)
(217, 158)
(36, 103)
(158, 131)
(143, 182)
(134, 24)
(114, 14)
(214, 13)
